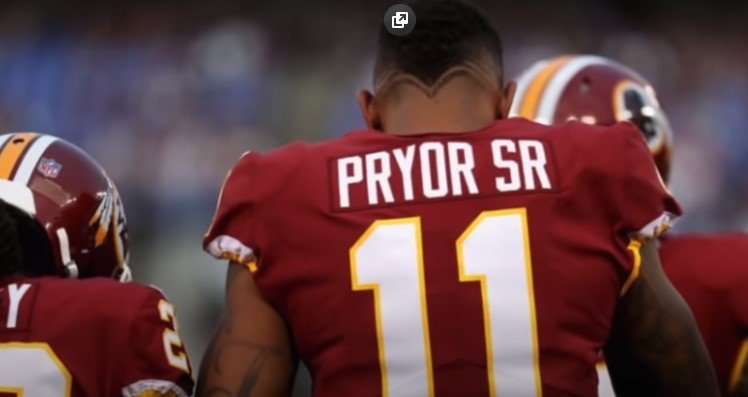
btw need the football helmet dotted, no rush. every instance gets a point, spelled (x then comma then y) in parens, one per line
(72, 198)
(594, 90)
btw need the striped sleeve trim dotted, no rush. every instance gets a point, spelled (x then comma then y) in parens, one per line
(153, 388)
(229, 248)
(656, 227)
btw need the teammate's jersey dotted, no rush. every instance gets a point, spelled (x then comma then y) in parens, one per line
(711, 273)
(92, 338)
(477, 264)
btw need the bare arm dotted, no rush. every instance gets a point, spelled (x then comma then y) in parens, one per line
(655, 348)
(251, 352)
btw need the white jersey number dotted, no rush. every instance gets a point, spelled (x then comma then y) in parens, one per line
(172, 341)
(33, 369)
(494, 251)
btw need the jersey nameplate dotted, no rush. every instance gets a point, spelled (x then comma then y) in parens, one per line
(441, 170)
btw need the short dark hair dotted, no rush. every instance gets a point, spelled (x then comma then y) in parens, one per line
(448, 33)
(24, 245)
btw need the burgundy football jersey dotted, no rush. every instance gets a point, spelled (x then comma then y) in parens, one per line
(711, 273)
(475, 264)
(94, 337)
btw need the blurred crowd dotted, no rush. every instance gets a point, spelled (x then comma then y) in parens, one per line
(168, 96)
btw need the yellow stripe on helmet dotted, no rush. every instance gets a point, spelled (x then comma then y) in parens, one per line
(537, 86)
(13, 153)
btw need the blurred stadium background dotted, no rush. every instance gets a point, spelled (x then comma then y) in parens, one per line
(167, 95)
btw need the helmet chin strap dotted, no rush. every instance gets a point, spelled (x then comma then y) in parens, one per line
(126, 275)
(72, 268)
(67, 261)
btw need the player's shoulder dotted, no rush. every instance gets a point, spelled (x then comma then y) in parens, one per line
(583, 140)
(99, 293)
(271, 165)
(91, 304)
(278, 165)
(98, 285)
(616, 137)
(590, 153)
(283, 156)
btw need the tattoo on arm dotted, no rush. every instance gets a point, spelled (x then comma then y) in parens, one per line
(217, 391)
(227, 343)
(220, 360)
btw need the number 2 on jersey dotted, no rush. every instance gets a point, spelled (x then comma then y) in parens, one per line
(171, 338)
(493, 251)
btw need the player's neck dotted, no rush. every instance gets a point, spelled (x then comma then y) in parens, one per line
(458, 106)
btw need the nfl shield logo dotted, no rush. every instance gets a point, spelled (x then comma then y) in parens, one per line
(49, 168)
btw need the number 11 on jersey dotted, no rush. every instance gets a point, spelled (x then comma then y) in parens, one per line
(494, 251)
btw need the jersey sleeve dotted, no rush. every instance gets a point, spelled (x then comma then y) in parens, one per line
(641, 204)
(154, 360)
(231, 236)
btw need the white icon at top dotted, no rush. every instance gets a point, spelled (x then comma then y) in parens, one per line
(399, 20)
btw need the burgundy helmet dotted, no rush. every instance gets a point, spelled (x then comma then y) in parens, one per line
(71, 196)
(594, 90)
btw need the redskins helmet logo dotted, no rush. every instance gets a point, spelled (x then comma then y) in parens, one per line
(110, 213)
(120, 237)
(638, 104)
(103, 217)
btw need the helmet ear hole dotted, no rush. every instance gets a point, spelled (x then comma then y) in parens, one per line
(586, 85)
(71, 268)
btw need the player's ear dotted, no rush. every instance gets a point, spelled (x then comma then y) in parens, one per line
(369, 110)
(504, 104)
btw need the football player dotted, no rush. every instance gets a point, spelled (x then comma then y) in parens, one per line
(708, 271)
(69, 323)
(446, 250)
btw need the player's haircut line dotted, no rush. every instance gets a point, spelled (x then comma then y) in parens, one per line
(477, 70)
